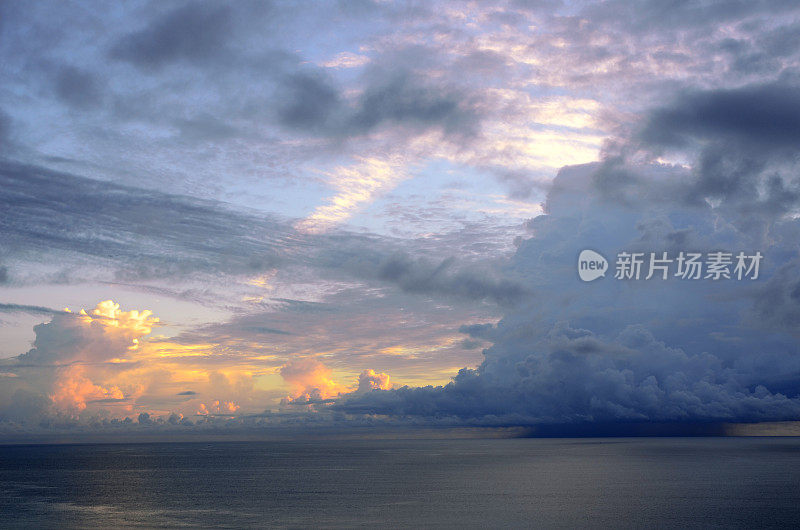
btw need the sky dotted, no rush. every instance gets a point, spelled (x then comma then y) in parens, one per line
(262, 215)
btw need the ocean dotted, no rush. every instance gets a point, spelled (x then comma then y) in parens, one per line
(612, 482)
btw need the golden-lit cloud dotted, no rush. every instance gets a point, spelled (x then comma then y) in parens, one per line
(217, 407)
(311, 381)
(370, 380)
(88, 343)
(104, 360)
(356, 186)
(73, 389)
(103, 334)
(109, 314)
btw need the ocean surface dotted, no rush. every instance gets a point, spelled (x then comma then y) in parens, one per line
(622, 482)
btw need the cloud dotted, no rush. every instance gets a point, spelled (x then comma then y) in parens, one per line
(103, 334)
(760, 117)
(104, 364)
(313, 104)
(521, 184)
(74, 354)
(651, 15)
(196, 32)
(311, 381)
(411, 335)
(31, 309)
(401, 98)
(22, 405)
(207, 99)
(573, 376)
(744, 145)
(143, 233)
(73, 389)
(309, 101)
(356, 187)
(5, 129)
(370, 380)
(419, 276)
(218, 408)
(102, 231)
(776, 303)
(346, 60)
(613, 351)
(77, 88)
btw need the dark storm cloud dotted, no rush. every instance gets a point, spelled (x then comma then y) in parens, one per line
(746, 143)
(402, 99)
(421, 277)
(293, 92)
(468, 344)
(478, 331)
(196, 32)
(639, 351)
(777, 302)
(743, 147)
(413, 269)
(77, 88)
(22, 405)
(5, 133)
(577, 377)
(308, 101)
(751, 183)
(762, 117)
(5, 127)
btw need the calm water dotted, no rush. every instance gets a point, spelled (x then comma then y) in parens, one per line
(731, 482)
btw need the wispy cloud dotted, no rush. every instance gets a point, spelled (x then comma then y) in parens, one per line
(356, 187)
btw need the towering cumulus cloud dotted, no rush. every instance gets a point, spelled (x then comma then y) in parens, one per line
(313, 383)
(672, 350)
(104, 364)
(74, 352)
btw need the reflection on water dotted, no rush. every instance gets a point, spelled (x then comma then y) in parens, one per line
(640, 482)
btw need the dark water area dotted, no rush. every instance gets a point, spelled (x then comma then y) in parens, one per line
(623, 482)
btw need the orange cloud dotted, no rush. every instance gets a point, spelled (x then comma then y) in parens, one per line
(105, 355)
(310, 380)
(370, 380)
(73, 389)
(109, 314)
(218, 407)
